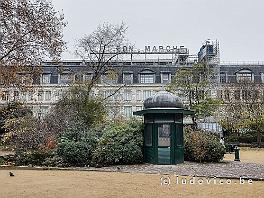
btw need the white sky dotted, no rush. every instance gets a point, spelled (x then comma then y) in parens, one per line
(237, 24)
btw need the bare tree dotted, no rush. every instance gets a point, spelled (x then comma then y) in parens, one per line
(243, 108)
(100, 49)
(30, 30)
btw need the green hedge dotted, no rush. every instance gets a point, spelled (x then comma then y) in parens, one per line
(202, 147)
(35, 158)
(121, 143)
(77, 153)
(242, 138)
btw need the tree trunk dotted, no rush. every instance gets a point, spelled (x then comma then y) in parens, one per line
(259, 138)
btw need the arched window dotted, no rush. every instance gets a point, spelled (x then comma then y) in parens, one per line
(245, 75)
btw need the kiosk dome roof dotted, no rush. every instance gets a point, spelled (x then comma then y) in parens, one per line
(163, 99)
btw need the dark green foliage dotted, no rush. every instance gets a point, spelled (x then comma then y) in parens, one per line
(242, 138)
(202, 147)
(1, 160)
(121, 143)
(77, 152)
(36, 158)
(53, 161)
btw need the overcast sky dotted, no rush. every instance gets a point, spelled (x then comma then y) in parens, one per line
(237, 24)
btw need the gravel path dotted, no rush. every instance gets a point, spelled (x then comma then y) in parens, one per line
(224, 169)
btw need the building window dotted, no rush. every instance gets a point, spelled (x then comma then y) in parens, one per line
(40, 96)
(16, 95)
(23, 96)
(127, 95)
(245, 76)
(227, 95)
(87, 77)
(139, 95)
(58, 95)
(128, 78)
(43, 111)
(237, 94)
(147, 78)
(220, 94)
(128, 111)
(30, 96)
(45, 78)
(109, 94)
(65, 78)
(262, 77)
(47, 95)
(139, 108)
(78, 78)
(5, 95)
(246, 95)
(223, 78)
(146, 94)
(110, 77)
(165, 77)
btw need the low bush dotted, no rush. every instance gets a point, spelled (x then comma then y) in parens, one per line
(121, 143)
(242, 138)
(2, 161)
(35, 158)
(77, 153)
(202, 147)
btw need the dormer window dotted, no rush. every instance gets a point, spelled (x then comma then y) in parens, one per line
(165, 77)
(128, 77)
(147, 77)
(45, 78)
(65, 78)
(262, 77)
(110, 77)
(245, 75)
(223, 77)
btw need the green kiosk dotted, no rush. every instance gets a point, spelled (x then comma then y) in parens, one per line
(163, 134)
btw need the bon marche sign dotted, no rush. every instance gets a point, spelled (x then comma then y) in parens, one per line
(154, 49)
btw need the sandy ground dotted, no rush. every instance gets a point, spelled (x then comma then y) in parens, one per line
(248, 155)
(82, 184)
(3, 152)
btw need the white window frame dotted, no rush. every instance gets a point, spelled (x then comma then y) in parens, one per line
(47, 96)
(146, 94)
(45, 78)
(139, 95)
(246, 75)
(69, 78)
(40, 95)
(128, 113)
(128, 81)
(162, 80)
(147, 78)
(127, 95)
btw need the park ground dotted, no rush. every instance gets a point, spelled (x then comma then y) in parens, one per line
(248, 155)
(85, 184)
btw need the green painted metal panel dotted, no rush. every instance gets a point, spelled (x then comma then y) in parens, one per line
(163, 110)
(179, 155)
(179, 135)
(149, 155)
(164, 155)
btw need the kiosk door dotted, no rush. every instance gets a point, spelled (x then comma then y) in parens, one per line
(164, 143)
